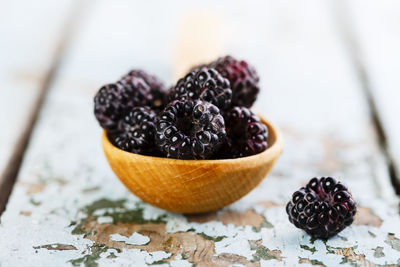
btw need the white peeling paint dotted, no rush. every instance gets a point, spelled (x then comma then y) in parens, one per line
(104, 219)
(134, 239)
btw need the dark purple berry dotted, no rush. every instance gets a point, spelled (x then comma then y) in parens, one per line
(110, 103)
(243, 79)
(190, 129)
(138, 89)
(137, 130)
(246, 135)
(157, 95)
(205, 84)
(323, 208)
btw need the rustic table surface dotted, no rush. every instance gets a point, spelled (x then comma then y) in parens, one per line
(330, 79)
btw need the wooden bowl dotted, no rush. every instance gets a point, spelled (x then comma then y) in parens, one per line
(192, 186)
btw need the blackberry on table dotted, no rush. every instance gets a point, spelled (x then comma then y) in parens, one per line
(110, 102)
(137, 131)
(246, 135)
(322, 208)
(205, 84)
(158, 92)
(190, 129)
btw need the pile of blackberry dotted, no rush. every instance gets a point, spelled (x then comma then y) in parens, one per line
(205, 115)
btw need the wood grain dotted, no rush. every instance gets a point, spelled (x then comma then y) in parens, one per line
(28, 58)
(68, 194)
(375, 30)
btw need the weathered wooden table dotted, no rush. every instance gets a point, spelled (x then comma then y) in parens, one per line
(330, 79)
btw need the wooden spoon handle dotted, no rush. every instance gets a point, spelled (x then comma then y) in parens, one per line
(200, 40)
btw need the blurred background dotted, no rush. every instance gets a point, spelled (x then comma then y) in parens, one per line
(329, 71)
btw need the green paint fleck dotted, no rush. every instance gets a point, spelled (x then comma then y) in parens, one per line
(103, 204)
(261, 252)
(312, 262)
(34, 202)
(185, 256)
(132, 216)
(159, 262)
(372, 234)
(213, 238)
(122, 214)
(378, 252)
(57, 246)
(91, 189)
(393, 241)
(332, 250)
(90, 260)
(308, 248)
(264, 224)
(317, 262)
(111, 256)
(78, 230)
(346, 260)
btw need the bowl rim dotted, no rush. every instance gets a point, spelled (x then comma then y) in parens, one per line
(272, 150)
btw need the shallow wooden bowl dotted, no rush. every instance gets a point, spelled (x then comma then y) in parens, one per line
(192, 186)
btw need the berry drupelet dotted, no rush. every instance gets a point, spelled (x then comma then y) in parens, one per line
(205, 84)
(190, 129)
(156, 97)
(137, 131)
(323, 208)
(246, 135)
(242, 77)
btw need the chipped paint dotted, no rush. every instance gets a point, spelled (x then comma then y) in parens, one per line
(393, 241)
(312, 262)
(378, 252)
(74, 198)
(25, 213)
(312, 249)
(365, 216)
(263, 253)
(135, 239)
(91, 258)
(56, 246)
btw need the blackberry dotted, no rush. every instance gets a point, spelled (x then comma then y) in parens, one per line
(323, 208)
(243, 79)
(138, 89)
(110, 103)
(205, 84)
(137, 131)
(190, 129)
(157, 95)
(246, 135)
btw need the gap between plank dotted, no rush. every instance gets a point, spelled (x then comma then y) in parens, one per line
(9, 175)
(346, 29)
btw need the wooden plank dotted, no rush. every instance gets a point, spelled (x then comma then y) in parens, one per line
(375, 26)
(30, 43)
(71, 208)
